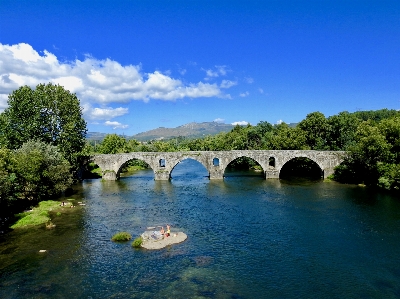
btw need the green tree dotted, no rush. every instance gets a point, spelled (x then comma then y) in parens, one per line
(316, 128)
(7, 180)
(361, 166)
(342, 130)
(287, 138)
(41, 171)
(390, 128)
(113, 144)
(48, 113)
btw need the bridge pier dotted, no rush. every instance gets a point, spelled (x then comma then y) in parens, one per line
(271, 174)
(216, 174)
(162, 175)
(109, 175)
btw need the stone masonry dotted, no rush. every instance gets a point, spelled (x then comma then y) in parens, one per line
(216, 162)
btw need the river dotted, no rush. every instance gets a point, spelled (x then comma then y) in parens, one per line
(247, 238)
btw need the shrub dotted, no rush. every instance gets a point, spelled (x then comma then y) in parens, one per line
(121, 237)
(137, 243)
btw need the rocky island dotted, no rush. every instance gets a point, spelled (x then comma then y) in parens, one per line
(155, 240)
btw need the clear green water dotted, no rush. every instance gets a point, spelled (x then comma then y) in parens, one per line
(247, 238)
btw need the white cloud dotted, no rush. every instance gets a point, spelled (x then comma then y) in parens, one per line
(249, 80)
(104, 113)
(279, 122)
(211, 73)
(227, 84)
(220, 71)
(219, 120)
(115, 125)
(244, 94)
(95, 82)
(260, 90)
(240, 123)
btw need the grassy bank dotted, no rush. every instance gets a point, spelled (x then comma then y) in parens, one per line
(38, 215)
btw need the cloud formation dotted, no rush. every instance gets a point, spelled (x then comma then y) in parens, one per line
(219, 120)
(240, 123)
(104, 113)
(244, 94)
(95, 82)
(227, 84)
(115, 125)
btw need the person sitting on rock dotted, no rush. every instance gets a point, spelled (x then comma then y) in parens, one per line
(168, 233)
(162, 230)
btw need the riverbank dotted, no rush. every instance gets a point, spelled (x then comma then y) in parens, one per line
(42, 214)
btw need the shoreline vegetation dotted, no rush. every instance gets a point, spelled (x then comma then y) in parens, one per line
(41, 214)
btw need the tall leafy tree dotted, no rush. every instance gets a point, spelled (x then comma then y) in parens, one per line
(316, 127)
(341, 132)
(48, 113)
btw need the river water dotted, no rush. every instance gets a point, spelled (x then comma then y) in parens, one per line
(247, 238)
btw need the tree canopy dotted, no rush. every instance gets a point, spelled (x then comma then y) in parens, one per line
(48, 113)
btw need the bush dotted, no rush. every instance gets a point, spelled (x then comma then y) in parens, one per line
(137, 243)
(121, 237)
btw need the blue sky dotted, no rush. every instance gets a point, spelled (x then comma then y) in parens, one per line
(139, 65)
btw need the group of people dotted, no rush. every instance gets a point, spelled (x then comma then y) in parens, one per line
(166, 233)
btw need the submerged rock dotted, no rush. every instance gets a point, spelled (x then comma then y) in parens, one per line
(154, 239)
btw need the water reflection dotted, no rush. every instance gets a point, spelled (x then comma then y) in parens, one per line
(248, 238)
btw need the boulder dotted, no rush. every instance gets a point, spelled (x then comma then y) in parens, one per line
(154, 240)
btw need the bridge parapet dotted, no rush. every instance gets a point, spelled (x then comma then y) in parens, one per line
(216, 162)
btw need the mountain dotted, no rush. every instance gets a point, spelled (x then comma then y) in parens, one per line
(191, 130)
(95, 136)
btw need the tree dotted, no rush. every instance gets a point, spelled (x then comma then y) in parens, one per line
(41, 171)
(342, 130)
(361, 166)
(287, 138)
(48, 113)
(113, 144)
(7, 181)
(316, 127)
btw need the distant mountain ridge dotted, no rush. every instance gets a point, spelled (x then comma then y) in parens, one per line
(190, 130)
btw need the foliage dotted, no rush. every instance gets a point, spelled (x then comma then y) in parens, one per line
(137, 243)
(7, 180)
(49, 114)
(342, 130)
(112, 144)
(41, 171)
(287, 138)
(38, 215)
(121, 237)
(316, 128)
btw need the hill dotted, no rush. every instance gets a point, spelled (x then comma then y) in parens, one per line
(191, 130)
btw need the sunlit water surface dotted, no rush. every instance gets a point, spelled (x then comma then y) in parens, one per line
(247, 238)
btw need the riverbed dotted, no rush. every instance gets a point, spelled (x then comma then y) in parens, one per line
(247, 238)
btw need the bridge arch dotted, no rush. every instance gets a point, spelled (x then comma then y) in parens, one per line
(252, 157)
(303, 154)
(176, 163)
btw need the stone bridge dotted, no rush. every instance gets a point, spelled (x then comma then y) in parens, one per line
(216, 162)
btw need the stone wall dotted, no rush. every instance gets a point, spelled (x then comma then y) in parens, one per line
(216, 162)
